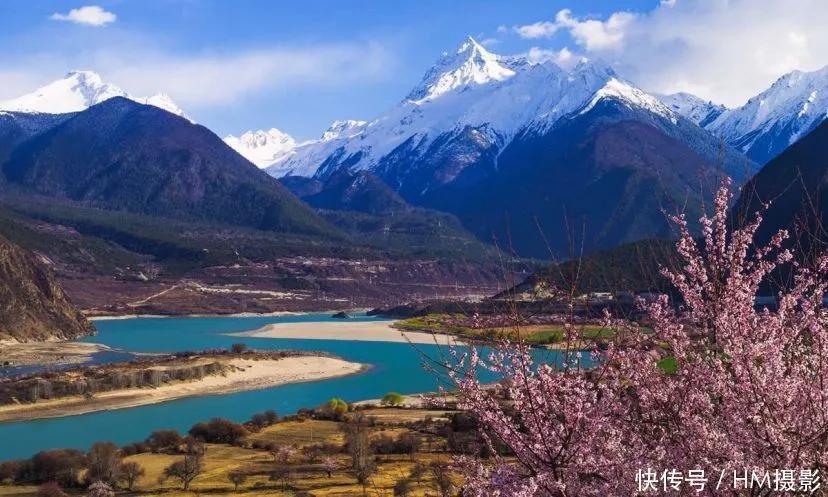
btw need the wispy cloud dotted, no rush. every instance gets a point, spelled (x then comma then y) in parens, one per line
(90, 15)
(563, 57)
(722, 51)
(589, 33)
(542, 29)
(207, 79)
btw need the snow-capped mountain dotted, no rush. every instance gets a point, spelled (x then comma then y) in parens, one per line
(77, 91)
(774, 119)
(470, 90)
(700, 111)
(263, 148)
(486, 137)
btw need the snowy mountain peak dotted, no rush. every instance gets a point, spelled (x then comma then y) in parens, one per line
(630, 96)
(262, 148)
(343, 129)
(164, 101)
(698, 110)
(777, 117)
(469, 65)
(77, 91)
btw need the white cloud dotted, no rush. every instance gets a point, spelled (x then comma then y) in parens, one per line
(91, 15)
(593, 34)
(210, 79)
(543, 29)
(589, 33)
(563, 57)
(725, 51)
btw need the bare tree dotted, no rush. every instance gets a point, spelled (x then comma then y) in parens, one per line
(130, 473)
(237, 477)
(185, 470)
(357, 440)
(282, 473)
(442, 478)
(104, 461)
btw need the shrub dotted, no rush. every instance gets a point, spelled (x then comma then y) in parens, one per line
(100, 489)
(62, 466)
(9, 471)
(50, 489)
(334, 409)
(162, 440)
(237, 478)
(219, 430)
(392, 399)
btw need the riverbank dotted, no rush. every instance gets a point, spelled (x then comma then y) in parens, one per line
(370, 331)
(244, 374)
(48, 353)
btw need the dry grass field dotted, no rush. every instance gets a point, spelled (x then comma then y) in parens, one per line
(305, 476)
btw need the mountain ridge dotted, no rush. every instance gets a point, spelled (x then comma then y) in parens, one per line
(123, 155)
(77, 91)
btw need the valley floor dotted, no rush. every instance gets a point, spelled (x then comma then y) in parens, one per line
(246, 374)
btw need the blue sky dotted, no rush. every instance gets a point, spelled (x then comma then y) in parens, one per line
(237, 65)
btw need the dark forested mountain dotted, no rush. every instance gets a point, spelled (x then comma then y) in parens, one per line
(17, 127)
(602, 179)
(33, 306)
(123, 155)
(796, 185)
(359, 191)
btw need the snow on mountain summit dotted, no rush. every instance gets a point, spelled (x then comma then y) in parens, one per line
(77, 91)
(700, 111)
(470, 64)
(630, 96)
(468, 94)
(262, 148)
(774, 119)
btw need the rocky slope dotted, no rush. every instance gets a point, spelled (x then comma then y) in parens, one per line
(33, 306)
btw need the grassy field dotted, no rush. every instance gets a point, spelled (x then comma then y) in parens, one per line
(307, 478)
(536, 334)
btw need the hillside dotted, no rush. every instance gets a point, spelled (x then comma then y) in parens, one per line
(122, 155)
(603, 179)
(33, 306)
(796, 185)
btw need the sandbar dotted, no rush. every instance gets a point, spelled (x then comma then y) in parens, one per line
(370, 331)
(249, 374)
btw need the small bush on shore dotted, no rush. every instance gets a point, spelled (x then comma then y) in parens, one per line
(219, 430)
(50, 489)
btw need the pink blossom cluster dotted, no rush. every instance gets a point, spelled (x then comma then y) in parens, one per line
(747, 388)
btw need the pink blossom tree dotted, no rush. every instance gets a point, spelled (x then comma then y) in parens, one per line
(746, 387)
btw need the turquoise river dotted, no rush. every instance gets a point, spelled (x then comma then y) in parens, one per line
(394, 367)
